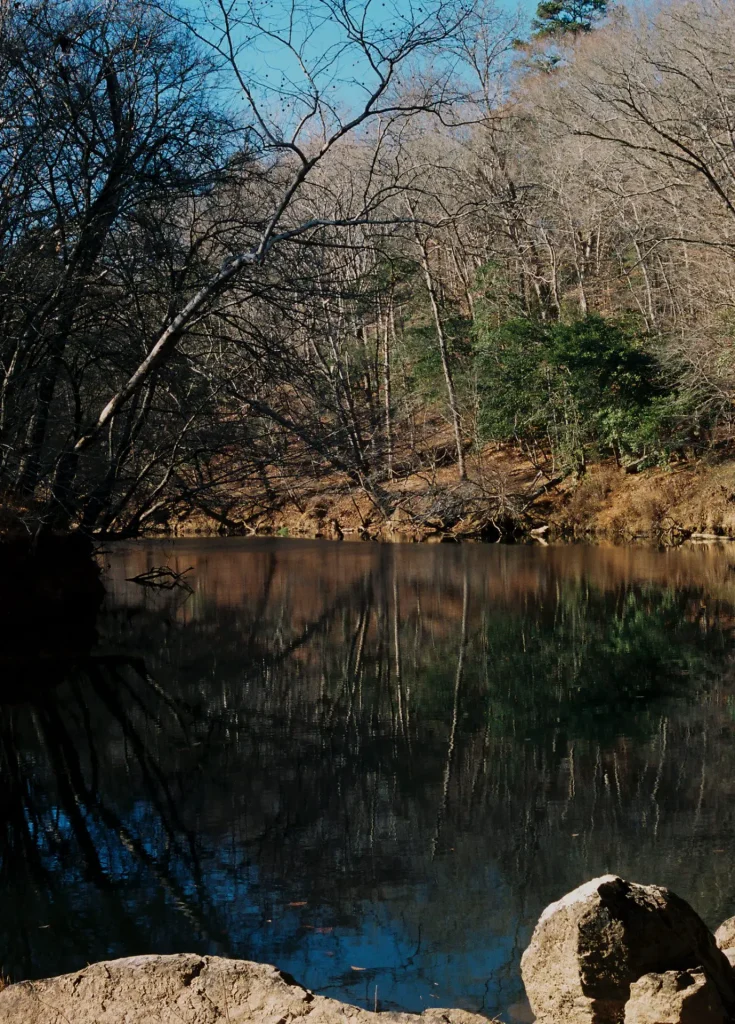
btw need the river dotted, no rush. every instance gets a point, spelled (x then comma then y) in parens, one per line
(371, 765)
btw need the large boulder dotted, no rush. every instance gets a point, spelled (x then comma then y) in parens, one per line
(676, 997)
(190, 988)
(725, 934)
(725, 938)
(592, 945)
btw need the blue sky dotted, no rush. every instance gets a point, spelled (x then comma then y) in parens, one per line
(342, 73)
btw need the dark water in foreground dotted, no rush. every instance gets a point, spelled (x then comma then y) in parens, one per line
(372, 766)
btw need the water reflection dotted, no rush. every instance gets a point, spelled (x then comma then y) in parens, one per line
(388, 758)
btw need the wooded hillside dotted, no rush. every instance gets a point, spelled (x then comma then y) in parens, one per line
(250, 250)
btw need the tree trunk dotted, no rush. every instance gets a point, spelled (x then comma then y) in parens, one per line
(444, 353)
(384, 326)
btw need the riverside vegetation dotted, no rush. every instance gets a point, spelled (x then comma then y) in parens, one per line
(308, 269)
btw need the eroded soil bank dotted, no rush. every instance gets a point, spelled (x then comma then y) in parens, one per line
(508, 498)
(505, 497)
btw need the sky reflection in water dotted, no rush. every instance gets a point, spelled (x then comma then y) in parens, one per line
(389, 758)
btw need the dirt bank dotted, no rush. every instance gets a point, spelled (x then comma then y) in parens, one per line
(691, 500)
(505, 497)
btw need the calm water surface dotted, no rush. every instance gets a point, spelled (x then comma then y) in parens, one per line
(371, 765)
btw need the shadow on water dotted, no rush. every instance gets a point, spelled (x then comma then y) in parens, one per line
(50, 597)
(336, 757)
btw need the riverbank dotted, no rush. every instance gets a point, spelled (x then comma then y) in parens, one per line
(674, 503)
(505, 497)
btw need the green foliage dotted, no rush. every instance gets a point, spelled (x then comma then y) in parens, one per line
(601, 665)
(567, 17)
(592, 666)
(421, 350)
(591, 385)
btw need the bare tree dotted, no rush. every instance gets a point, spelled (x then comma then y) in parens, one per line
(312, 130)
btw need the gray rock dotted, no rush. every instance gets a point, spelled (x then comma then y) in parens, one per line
(194, 989)
(589, 948)
(675, 997)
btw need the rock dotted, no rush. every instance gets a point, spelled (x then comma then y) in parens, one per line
(675, 997)
(190, 988)
(589, 948)
(521, 1013)
(725, 937)
(725, 934)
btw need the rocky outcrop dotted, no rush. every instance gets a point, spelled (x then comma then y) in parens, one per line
(675, 997)
(592, 946)
(725, 938)
(192, 989)
(611, 952)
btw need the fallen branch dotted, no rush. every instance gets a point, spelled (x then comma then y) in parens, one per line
(162, 577)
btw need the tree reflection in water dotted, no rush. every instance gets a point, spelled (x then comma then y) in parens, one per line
(340, 756)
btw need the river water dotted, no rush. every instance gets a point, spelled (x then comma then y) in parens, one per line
(371, 765)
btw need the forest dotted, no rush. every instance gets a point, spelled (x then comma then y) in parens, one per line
(252, 254)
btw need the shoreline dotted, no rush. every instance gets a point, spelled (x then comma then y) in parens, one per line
(663, 506)
(692, 501)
